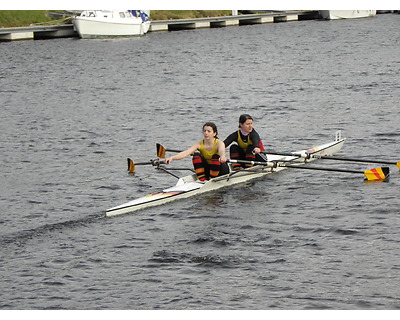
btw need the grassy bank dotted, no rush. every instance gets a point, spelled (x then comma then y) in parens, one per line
(187, 14)
(22, 18)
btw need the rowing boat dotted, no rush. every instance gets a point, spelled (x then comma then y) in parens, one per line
(189, 186)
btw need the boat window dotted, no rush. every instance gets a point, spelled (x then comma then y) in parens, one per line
(122, 15)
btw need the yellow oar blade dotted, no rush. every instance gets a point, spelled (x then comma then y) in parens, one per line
(398, 164)
(161, 151)
(377, 173)
(131, 165)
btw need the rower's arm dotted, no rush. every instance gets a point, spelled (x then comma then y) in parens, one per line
(221, 151)
(231, 138)
(184, 154)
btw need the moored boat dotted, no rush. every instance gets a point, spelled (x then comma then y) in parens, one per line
(346, 14)
(189, 186)
(104, 23)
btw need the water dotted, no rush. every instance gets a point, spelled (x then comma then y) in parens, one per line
(73, 110)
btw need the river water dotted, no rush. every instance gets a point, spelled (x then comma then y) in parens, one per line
(73, 110)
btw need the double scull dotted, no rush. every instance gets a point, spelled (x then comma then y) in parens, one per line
(189, 186)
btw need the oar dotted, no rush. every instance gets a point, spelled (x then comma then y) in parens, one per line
(132, 164)
(372, 174)
(161, 151)
(156, 163)
(359, 160)
(310, 155)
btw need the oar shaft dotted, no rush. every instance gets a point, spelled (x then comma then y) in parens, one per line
(155, 163)
(173, 150)
(161, 150)
(281, 164)
(311, 155)
(132, 164)
(320, 168)
(356, 160)
(373, 174)
(143, 163)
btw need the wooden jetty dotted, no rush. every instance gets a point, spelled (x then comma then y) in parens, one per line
(237, 20)
(63, 31)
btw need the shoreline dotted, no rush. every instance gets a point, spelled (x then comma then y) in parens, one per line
(41, 32)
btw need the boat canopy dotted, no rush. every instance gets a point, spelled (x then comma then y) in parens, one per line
(140, 13)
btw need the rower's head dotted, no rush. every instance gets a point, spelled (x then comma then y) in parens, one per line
(246, 123)
(210, 128)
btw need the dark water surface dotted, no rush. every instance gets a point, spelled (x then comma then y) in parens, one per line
(73, 110)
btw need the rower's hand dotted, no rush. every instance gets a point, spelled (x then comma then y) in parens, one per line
(168, 161)
(256, 150)
(222, 159)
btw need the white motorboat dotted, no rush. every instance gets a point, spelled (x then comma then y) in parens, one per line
(346, 14)
(104, 23)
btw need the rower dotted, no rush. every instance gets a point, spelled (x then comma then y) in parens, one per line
(209, 158)
(248, 143)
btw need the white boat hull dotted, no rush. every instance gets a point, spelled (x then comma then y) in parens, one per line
(346, 14)
(189, 186)
(109, 26)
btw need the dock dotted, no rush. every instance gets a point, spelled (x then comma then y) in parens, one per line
(67, 31)
(238, 20)
(37, 32)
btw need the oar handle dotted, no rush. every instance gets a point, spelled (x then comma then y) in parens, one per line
(157, 162)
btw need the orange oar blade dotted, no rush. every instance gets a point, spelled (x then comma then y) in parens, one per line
(131, 165)
(161, 151)
(398, 164)
(377, 173)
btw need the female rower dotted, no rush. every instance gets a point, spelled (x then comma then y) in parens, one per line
(248, 143)
(209, 158)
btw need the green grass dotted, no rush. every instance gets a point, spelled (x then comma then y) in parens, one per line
(23, 18)
(187, 14)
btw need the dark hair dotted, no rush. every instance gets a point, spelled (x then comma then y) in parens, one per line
(244, 117)
(212, 125)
